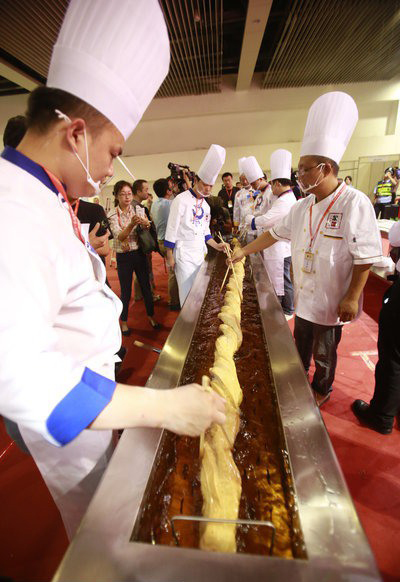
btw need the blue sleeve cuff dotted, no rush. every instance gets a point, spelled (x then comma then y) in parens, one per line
(80, 406)
(207, 237)
(169, 244)
(253, 224)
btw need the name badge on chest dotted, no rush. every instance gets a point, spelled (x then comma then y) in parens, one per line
(308, 262)
(230, 205)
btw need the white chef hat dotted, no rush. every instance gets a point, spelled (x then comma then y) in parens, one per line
(240, 166)
(330, 124)
(281, 164)
(212, 164)
(112, 54)
(251, 169)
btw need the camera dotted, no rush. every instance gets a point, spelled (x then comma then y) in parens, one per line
(177, 174)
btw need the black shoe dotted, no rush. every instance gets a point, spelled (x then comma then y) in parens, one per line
(175, 307)
(362, 411)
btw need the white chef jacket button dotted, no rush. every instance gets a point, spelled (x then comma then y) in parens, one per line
(314, 272)
(301, 286)
(304, 230)
(316, 252)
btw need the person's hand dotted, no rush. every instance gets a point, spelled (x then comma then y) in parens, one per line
(135, 220)
(190, 410)
(221, 247)
(237, 256)
(171, 263)
(348, 309)
(248, 219)
(144, 222)
(97, 241)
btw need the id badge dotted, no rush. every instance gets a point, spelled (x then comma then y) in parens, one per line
(308, 262)
(230, 205)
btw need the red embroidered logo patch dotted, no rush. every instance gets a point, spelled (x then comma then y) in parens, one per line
(334, 220)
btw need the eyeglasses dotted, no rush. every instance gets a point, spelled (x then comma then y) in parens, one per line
(305, 170)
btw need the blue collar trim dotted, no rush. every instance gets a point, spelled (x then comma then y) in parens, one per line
(20, 160)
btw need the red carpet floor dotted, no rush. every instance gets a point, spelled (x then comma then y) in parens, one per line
(32, 539)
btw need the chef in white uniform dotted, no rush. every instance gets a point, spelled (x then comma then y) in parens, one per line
(334, 239)
(277, 258)
(59, 323)
(245, 192)
(188, 228)
(255, 200)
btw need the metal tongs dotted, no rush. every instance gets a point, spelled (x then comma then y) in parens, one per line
(230, 266)
(243, 233)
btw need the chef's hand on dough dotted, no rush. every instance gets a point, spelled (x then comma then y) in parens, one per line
(191, 410)
(237, 256)
(348, 309)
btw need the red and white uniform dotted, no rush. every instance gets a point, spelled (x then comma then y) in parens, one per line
(347, 236)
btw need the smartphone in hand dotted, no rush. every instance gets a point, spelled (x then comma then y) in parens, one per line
(104, 227)
(140, 211)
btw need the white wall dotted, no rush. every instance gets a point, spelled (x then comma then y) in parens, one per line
(254, 122)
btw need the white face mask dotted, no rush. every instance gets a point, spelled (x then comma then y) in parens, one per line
(97, 186)
(202, 194)
(312, 186)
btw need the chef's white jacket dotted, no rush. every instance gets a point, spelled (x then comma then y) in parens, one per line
(348, 236)
(188, 230)
(59, 323)
(188, 220)
(58, 335)
(278, 208)
(246, 204)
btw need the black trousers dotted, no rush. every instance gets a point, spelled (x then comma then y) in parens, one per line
(379, 208)
(319, 342)
(127, 263)
(385, 403)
